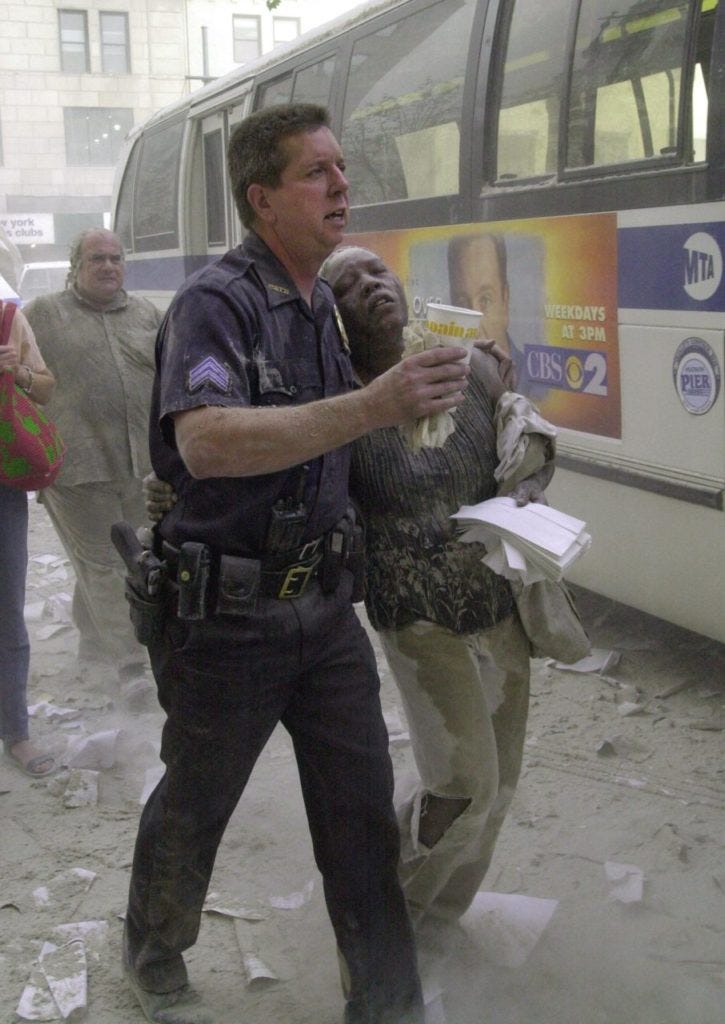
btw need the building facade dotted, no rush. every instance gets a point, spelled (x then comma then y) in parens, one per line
(76, 75)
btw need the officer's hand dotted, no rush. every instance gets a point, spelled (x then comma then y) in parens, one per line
(159, 497)
(422, 384)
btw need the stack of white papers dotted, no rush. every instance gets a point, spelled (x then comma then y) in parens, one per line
(526, 543)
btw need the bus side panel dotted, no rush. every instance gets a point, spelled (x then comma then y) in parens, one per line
(637, 393)
(662, 556)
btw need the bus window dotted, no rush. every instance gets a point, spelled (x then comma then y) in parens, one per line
(533, 70)
(402, 111)
(279, 90)
(312, 84)
(124, 203)
(700, 78)
(626, 82)
(216, 233)
(155, 214)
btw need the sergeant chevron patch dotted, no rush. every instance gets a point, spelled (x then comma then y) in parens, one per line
(209, 371)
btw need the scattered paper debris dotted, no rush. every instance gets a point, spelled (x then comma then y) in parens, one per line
(629, 700)
(95, 751)
(433, 1002)
(51, 630)
(66, 974)
(508, 926)
(627, 882)
(152, 778)
(598, 661)
(53, 713)
(34, 612)
(68, 885)
(93, 934)
(295, 900)
(622, 746)
(45, 562)
(255, 970)
(60, 608)
(36, 1002)
(398, 735)
(78, 787)
(215, 904)
(57, 988)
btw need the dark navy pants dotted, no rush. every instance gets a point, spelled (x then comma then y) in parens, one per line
(224, 684)
(14, 644)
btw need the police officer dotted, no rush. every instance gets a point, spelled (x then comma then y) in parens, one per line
(254, 406)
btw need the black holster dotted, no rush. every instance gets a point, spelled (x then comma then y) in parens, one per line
(344, 549)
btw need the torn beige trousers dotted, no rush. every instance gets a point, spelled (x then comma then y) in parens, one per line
(82, 515)
(466, 700)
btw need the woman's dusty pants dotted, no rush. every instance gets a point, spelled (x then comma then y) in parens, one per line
(466, 700)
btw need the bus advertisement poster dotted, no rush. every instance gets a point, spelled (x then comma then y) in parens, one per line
(547, 289)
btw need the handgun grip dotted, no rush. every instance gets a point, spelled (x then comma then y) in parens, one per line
(129, 547)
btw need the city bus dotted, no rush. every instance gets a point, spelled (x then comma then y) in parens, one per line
(582, 142)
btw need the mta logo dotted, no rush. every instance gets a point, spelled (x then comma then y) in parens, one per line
(702, 266)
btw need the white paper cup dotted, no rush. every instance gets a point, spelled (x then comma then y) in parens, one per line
(454, 325)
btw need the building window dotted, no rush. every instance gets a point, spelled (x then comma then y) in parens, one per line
(284, 29)
(114, 43)
(247, 37)
(93, 135)
(73, 32)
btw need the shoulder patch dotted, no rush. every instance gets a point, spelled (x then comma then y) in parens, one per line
(209, 371)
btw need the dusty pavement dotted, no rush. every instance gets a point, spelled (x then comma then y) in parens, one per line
(623, 767)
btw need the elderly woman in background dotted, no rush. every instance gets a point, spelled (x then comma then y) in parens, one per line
(21, 357)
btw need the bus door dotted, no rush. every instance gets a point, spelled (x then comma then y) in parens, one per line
(235, 113)
(217, 224)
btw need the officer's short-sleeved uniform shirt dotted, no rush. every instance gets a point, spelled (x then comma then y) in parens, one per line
(238, 333)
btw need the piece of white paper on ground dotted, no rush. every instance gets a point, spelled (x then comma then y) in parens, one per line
(216, 904)
(66, 974)
(257, 972)
(94, 935)
(507, 926)
(95, 751)
(627, 881)
(434, 1010)
(52, 712)
(57, 988)
(68, 886)
(152, 778)
(597, 661)
(81, 787)
(295, 900)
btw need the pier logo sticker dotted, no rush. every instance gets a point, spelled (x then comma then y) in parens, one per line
(696, 375)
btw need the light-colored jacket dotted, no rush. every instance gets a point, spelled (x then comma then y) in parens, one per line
(103, 362)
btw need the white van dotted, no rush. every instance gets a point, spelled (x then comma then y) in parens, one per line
(42, 278)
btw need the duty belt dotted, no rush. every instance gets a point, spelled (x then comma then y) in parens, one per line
(283, 577)
(291, 579)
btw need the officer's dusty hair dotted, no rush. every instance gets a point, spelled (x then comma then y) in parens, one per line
(256, 154)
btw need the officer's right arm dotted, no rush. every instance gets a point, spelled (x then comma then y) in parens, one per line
(215, 441)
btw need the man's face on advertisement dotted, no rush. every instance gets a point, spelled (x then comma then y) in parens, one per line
(475, 281)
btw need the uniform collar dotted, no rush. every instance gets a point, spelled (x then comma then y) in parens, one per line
(278, 285)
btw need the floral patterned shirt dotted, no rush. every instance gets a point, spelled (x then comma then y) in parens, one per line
(416, 566)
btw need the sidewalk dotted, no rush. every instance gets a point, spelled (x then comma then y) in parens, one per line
(622, 768)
